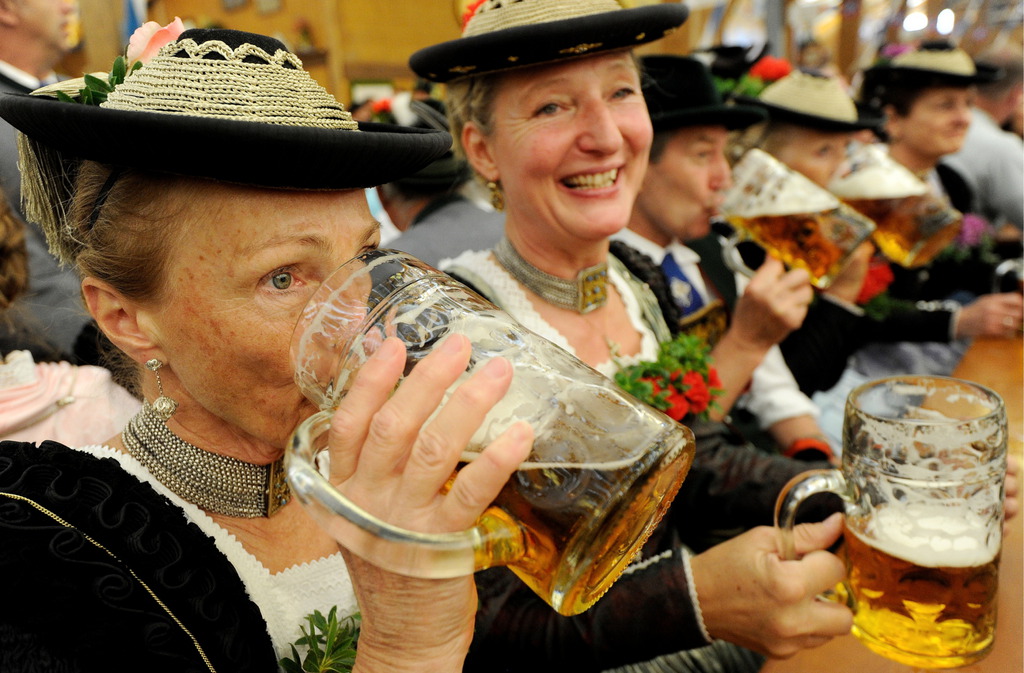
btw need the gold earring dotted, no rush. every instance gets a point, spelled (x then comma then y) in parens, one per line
(163, 406)
(497, 196)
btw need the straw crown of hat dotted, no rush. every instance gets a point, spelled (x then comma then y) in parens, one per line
(811, 94)
(933, 64)
(942, 61)
(505, 34)
(249, 83)
(493, 15)
(812, 101)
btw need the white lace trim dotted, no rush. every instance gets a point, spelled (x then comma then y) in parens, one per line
(512, 298)
(17, 369)
(284, 598)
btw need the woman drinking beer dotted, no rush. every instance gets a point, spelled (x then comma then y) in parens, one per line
(200, 232)
(811, 123)
(545, 99)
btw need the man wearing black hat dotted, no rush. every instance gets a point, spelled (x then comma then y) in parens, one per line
(32, 40)
(681, 194)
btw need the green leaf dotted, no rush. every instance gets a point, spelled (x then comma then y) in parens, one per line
(64, 98)
(117, 71)
(96, 84)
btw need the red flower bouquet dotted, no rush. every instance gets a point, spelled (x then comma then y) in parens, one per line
(681, 382)
(770, 68)
(876, 281)
(765, 70)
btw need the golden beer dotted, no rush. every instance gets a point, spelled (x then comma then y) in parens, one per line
(817, 242)
(936, 610)
(581, 525)
(911, 230)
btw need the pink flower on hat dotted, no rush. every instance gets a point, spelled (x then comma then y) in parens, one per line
(147, 40)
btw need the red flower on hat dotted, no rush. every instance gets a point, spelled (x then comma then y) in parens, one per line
(770, 68)
(470, 11)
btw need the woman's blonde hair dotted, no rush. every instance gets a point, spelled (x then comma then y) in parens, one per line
(471, 99)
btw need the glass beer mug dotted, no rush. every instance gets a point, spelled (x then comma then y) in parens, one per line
(602, 472)
(912, 224)
(924, 460)
(792, 218)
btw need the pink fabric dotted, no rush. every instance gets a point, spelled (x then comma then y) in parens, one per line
(101, 407)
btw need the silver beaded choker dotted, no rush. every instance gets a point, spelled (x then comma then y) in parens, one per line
(208, 480)
(588, 291)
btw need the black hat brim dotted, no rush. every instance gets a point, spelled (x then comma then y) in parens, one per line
(784, 114)
(547, 42)
(242, 152)
(732, 117)
(886, 73)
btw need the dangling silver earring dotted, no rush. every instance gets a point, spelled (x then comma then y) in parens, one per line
(163, 406)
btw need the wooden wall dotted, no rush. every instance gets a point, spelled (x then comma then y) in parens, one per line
(356, 39)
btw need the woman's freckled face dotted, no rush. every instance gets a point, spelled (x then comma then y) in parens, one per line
(236, 284)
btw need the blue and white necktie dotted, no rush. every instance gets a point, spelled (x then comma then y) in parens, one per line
(686, 296)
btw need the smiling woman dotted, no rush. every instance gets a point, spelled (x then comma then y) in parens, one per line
(177, 542)
(547, 106)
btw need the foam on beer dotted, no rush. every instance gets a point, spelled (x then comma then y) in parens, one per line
(931, 536)
(764, 187)
(874, 175)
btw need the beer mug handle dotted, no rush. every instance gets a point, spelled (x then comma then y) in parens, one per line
(795, 492)
(1005, 268)
(432, 556)
(732, 257)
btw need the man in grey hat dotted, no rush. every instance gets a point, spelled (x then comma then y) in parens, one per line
(682, 190)
(33, 38)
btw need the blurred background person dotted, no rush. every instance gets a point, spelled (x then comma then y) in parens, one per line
(927, 96)
(73, 405)
(991, 160)
(811, 122)
(431, 207)
(681, 193)
(33, 38)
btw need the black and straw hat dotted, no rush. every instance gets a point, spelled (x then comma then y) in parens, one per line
(230, 106)
(936, 63)
(445, 173)
(506, 34)
(217, 104)
(681, 92)
(811, 100)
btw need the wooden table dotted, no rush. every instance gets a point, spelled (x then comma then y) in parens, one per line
(998, 364)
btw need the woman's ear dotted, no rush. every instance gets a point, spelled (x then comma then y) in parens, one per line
(123, 322)
(892, 124)
(477, 147)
